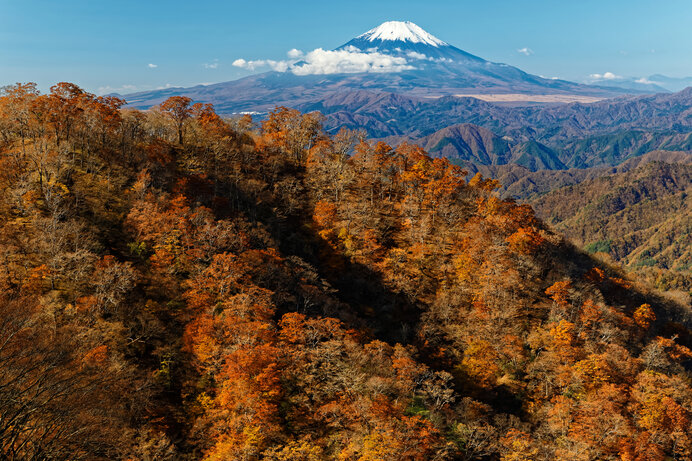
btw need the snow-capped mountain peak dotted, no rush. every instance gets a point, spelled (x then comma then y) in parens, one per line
(404, 39)
(404, 31)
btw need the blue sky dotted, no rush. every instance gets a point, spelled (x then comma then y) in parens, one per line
(127, 45)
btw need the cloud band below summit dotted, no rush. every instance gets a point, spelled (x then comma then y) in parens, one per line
(323, 62)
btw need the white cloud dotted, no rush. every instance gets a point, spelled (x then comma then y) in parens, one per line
(321, 61)
(295, 54)
(416, 55)
(645, 81)
(152, 66)
(249, 65)
(420, 56)
(279, 66)
(605, 76)
(525, 51)
(212, 65)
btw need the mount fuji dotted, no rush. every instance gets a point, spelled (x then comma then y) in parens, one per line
(395, 57)
(408, 40)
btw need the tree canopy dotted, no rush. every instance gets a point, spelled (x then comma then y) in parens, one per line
(176, 285)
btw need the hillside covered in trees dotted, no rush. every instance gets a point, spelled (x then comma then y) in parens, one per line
(180, 286)
(641, 218)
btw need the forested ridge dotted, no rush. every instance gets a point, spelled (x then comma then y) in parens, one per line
(641, 218)
(180, 286)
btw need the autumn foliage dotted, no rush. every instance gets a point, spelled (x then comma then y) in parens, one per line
(178, 285)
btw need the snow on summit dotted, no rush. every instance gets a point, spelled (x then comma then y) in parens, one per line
(401, 31)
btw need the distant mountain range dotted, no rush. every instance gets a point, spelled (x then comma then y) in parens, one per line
(400, 83)
(653, 84)
(403, 58)
(671, 83)
(537, 137)
(388, 114)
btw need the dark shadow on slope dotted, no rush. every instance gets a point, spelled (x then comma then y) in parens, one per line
(366, 303)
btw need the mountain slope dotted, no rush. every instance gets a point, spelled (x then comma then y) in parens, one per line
(471, 146)
(571, 135)
(558, 123)
(468, 143)
(641, 217)
(446, 66)
(270, 297)
(405, 38)
(536, 156)
(426, 66)
(526, 185)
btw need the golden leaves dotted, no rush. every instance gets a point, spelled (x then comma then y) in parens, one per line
(644, 316)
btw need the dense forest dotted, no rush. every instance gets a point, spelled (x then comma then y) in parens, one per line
(180, 286)
(641, 218)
